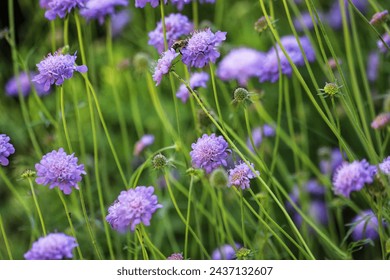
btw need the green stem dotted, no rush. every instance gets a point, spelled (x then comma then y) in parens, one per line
(8, 248)
(63, 117)
(37, 207)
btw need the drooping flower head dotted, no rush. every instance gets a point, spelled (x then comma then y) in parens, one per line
(384, 166)
(365, 226)
(54, 69)
(240, 175)
(133, 207)
(209, 152)
(202, 48)
(153, 3)
(59, 8)
(164, 64)
(99, 9)
(54, 246)
(57, 169)
(176, 25)
(140, 145)
(225, 252)
(176, 256)
(23, 83)
(6, 149)
(197, 80)
(352, 176)
(240, 64)
(119, 21)
(381, 121)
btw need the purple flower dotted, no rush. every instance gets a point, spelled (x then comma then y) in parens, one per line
(209, 152)
(383, 48)
(365, 226)
(56, 68)
(140, 145)
(98, 9)
(197, 80)
(180, 3)
(153, 3)
(257, 135)
(372, 66)
(131, 208)
(334, 17)
(175, 256)
(60, 8)
(381, 121)
(225, 252)
(268, 131)
(379, 17)
(44, 4)
(240, 176)
(353, 176)
(59, 170)
(6, 149)
(119, 22)
(23, 81)
(384, 166)
(54, 246)
(176, 26)
(330, 160)
(207, 1)
(202, 48)
(240, 64)
(164, 64)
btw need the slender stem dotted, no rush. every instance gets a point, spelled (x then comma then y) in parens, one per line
(188, 217)
(63, 117)
(37, 207)
(6, 243)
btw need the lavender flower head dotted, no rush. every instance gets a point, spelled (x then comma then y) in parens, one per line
(197, 80)
(54, 246)
(384, 166)
(381, 121)
(209, 152)
(98, 9)
(225, 252)
(176, 25)
(23, 81)
(379, 17)
(176, 256)
(164, 64)
(119, 22)
(6, 149)
(59, 8)
(57, 169)
(153, 3)
(54, 69)
(202, 48)
(240, 175)
(131, 208)
(240, 64)
(140, 145)
(365, 226)
(381, 46)
(353, 176)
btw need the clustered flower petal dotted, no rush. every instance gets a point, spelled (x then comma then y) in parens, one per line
(384, 166)
(133, 207)
(379, 17)
(59, 8)
(240, 175)
(225, 252)
(54, 69)
(23, 83)
(353, 176)
(6, 149)
(365, 226)
(381, 121)
(176, 25)
(98, 9)
(197, 80)
(153, 3)
(54, 246)
(240, 64)
(164, 64)
(57, 169)
(209, 152)
(202, 48)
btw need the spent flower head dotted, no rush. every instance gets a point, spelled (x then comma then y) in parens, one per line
(6, 149)
(132, 207)
(54, 246)
(241, 96)
(57, 169)
(330, 90)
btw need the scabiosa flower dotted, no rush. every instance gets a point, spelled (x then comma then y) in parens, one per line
(98, 9)
(59, 8)
(240, 175)
(202, 48)
(59, 170)
(225, 252)
(365, 226)
(379, 17)
(353, 176)
(197, 80)
(54, 246)
(175, 256)
(164, 64)
(381, 121)
(176, 25)
(145, 141)
(153, 3)
(56, 68)
(209, 152)
(383, 48)
(6, 149)
(240, 64)
(119, 22)
(384, 166)
(23, 81)
(133, 207)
